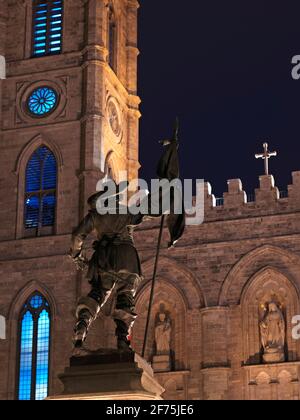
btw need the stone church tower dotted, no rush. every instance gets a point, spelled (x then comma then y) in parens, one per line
(69, 113)
(227, 295)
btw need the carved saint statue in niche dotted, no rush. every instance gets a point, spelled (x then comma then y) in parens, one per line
(163, 331)
(272, 330)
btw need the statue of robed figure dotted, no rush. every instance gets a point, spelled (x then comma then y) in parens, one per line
(163, 331)
(272, 329)
(115, 264)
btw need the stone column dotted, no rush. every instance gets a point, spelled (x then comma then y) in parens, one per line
(94, 54)
(2, 328)
(134, 101)
(131, 46)
(215, 367)
(3, 13)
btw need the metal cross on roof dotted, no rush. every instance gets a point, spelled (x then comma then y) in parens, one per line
(266, 155)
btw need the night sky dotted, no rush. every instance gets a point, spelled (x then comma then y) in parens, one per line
(224, 67)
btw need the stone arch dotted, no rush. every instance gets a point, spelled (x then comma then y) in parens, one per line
(29, 149)
(170, 299)
(267, 255)
(111, 164)
(170, 385)
(23, 295)
(267, 285)
(263, 378)
(266, 273)
(181, 277)
(171, 389)
(13, 326)
(285, 387)
(20, 169)
(261, 386)
(285, 377)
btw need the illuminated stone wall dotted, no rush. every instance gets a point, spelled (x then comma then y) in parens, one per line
(86, 139)
(214, 284)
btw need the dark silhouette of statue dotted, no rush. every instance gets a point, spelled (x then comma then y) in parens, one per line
(115, 264)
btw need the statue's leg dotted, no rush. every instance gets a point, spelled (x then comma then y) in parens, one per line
(87, 311)
(124, 314)
(102, 288)
(89, 307)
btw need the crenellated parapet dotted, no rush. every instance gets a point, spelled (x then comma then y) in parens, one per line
(236, 203)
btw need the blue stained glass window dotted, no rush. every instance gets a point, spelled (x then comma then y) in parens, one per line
(32, 210)
(42, 360)
(48, 213)
(42, 101)
(40, 190)
(36, 302)
(26, 357)
(47, 21)
(34, 349)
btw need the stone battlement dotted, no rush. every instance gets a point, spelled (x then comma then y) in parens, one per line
(267, 200)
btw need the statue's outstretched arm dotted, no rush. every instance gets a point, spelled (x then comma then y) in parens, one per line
(175, 222)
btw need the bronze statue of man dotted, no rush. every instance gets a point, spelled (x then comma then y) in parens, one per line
(115, 264)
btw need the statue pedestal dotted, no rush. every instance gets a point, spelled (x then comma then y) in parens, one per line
(161, 363)
(273, 357)
(109, 376)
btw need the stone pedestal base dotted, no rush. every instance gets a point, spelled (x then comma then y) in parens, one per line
(109, 376)
(161, 363)
(273, 358)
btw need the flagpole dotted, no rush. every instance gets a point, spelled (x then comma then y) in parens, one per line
(153, 285)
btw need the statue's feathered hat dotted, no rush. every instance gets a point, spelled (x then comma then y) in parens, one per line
(119, 190)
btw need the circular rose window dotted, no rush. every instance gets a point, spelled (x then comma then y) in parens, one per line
(114, 118)
(42, 101)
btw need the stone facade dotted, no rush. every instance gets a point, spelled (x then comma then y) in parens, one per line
(79, 134)
(213, 286)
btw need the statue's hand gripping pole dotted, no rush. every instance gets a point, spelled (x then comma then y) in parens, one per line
(80, 261)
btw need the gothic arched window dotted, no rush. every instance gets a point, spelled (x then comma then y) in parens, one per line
(40, 192)
(34, 349)
(47, 27)
(112, 39)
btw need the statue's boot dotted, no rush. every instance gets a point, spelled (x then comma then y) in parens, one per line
(124, 314)
(82, 327)
(86, 313)
(123, 330)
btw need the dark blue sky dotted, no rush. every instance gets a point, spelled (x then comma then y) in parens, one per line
(225, 68)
